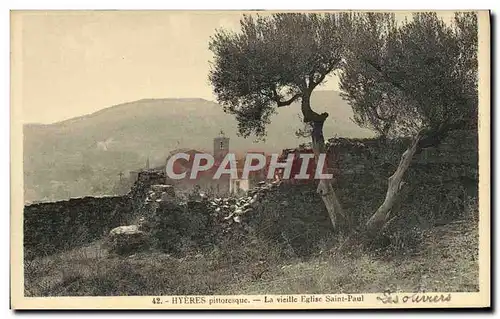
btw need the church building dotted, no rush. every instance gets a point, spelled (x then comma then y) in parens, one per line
(204, 182)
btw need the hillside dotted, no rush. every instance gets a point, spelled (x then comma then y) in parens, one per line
(84, 155)
(447, 262)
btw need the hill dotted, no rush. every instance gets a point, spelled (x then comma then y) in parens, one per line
(84, 155)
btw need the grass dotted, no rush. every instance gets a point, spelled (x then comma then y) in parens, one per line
(447, 261)
(446, 264)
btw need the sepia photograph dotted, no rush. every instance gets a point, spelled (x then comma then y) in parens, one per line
(250, 159)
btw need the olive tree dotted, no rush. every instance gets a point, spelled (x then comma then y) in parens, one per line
(418, 79)
(272, 62)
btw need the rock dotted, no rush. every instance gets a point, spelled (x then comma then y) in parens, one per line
(125, 240)
(160, 188)
(253, 200)
(168, 193)
(120, 230)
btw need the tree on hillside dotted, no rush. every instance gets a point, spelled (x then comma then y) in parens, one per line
(418, 79)
(271, 63)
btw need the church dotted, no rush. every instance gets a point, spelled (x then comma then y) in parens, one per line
(205, 182)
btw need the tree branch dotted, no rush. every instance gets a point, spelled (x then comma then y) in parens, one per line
(380, 117)
(281, 103)
(313, 84)
(434, 137)
(384, 75)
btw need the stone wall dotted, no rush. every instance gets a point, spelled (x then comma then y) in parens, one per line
(58, 226)
(437, 184)
(357, 155)
(54, 227)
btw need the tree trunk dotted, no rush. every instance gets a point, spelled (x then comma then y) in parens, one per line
(381, 216)
(325, 189)
(340, 221)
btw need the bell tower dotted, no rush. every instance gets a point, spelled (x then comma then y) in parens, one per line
(221, 146)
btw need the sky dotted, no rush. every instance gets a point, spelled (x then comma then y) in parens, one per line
(78, 62)
(75, 63)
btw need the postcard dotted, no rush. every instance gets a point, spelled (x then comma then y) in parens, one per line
(250, 159)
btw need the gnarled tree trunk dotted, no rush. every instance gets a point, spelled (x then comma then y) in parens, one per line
(339, 220)
(381, 216)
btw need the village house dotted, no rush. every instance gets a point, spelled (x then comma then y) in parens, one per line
(205, 181)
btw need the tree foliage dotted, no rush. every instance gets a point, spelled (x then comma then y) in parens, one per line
(272, 62)
(418, 74)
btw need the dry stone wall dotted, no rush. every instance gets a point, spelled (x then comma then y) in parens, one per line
(437, 187)
(54, 227)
